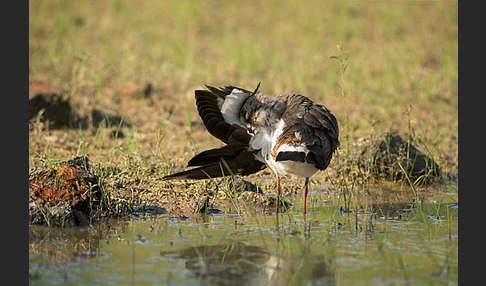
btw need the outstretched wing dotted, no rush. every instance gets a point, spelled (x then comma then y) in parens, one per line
(219, 109)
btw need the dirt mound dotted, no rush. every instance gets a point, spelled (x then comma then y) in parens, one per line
(65, 196)
(390, 157)
(70, 195)
(51, 101)
(51, 104)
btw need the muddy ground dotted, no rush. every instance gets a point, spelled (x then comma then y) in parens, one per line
(88, 163)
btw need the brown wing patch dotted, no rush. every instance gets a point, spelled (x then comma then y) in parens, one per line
(287, 140)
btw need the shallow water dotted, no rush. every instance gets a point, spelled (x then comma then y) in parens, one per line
(401, 243)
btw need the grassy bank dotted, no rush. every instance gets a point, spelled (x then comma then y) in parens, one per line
(402, 73)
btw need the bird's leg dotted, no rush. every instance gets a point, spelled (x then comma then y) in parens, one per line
(278, 196)
(305, 190)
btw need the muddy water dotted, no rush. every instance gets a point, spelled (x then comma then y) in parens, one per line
(387, 244)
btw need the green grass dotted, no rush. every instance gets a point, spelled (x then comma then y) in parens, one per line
(400, 55)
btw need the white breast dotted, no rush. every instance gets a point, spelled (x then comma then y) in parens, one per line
(266, 137)
(265, 140)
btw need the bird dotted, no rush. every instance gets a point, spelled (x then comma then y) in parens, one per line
(288, 133)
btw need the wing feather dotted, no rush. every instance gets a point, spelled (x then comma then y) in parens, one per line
(237, 158)
(315, 126)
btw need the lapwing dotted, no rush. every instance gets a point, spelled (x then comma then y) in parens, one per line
(289, 133)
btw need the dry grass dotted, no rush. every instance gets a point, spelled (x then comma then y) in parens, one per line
(401, 55)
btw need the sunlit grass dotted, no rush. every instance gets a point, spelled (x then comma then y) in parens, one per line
(92, 47)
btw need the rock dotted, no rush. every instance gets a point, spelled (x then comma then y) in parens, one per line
(240, 185)
(61, 215)
(199, 205)
(257, 198)
(51, 101)
(388, 156)
(57, 215)
(37, 213)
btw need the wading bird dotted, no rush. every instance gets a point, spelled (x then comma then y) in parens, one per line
(288, 133)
